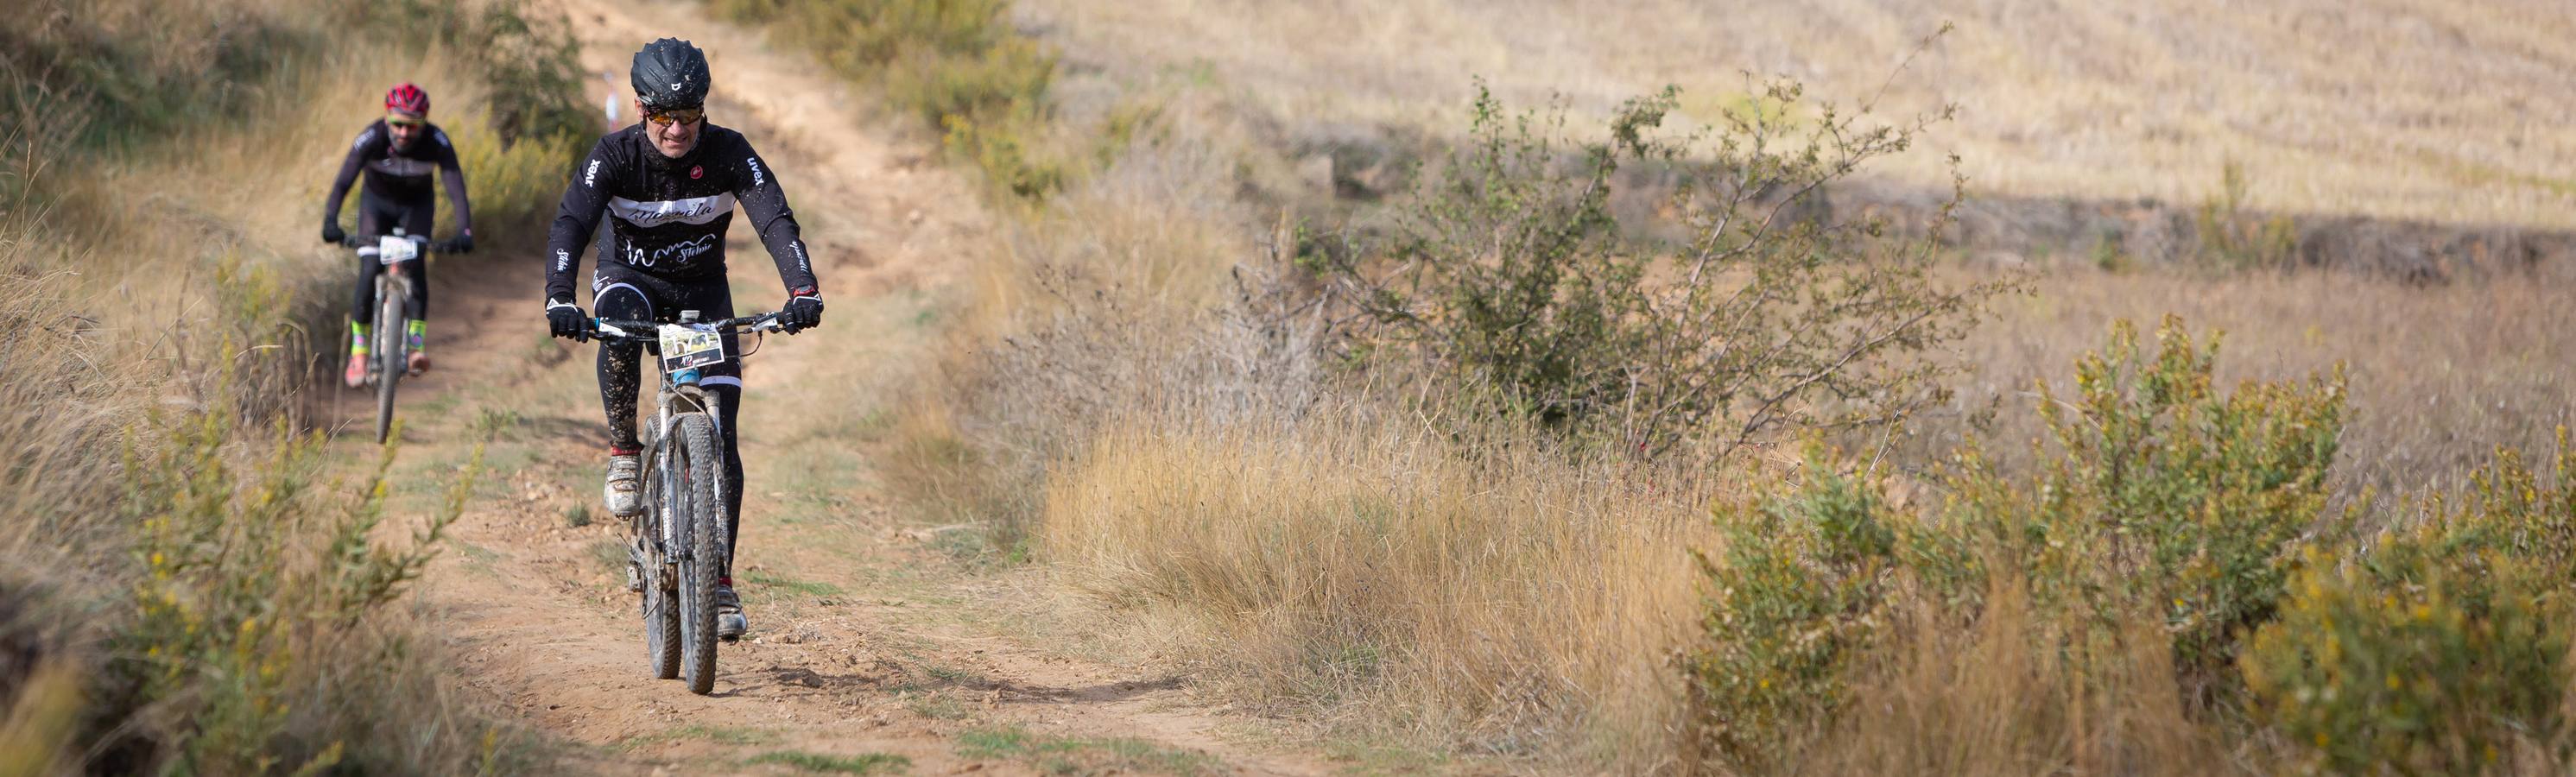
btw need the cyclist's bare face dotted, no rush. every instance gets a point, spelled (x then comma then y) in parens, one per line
(673, 138)
(404, 127)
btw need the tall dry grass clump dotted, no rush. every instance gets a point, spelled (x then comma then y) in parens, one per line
(1390, 581)
(192, 586)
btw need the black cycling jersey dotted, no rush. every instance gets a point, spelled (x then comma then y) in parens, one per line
(668, 216)
(401, 175)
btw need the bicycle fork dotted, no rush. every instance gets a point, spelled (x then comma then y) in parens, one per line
(675, 545)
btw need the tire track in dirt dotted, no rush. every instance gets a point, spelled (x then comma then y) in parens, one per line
(863, 636)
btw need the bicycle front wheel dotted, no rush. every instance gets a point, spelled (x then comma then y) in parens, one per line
(661, 603)
(693, 484)
(391, 362)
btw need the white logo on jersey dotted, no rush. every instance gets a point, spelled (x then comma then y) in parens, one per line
(799, 247)
(591, 179)
(441, 135)
(694, 210)
(679, 252)
(363, 136)
(754, 162)
(563, 261)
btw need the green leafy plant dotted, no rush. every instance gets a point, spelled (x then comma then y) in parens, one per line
(2159, 489)
(1796, 591)
(248, 571)
(2440, 648)
(2155, 495)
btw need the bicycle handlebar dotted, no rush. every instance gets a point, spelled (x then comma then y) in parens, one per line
(430, 246)
(640, 331)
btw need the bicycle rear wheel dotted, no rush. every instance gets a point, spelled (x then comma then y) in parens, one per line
(391, 362)
(693, 475)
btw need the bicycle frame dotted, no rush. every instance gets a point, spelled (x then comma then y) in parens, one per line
(677, 393)
(393, 300)
(672, 400)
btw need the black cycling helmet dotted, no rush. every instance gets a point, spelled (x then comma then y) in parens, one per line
(670, 73)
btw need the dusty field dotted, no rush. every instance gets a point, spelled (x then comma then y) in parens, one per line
(2447, 111)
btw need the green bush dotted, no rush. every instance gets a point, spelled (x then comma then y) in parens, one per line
(1796, 590)
(2439, 649)
(1511, 280)
(2156, 494)
(251, 574)
(2155, 488)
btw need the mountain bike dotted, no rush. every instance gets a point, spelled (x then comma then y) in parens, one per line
(393, 319)
(679, 541)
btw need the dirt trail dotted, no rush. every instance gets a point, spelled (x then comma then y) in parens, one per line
(865, 640)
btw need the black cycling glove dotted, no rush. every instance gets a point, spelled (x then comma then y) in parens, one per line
(462, 243)
(804, 310)
(331, 232)
(566, 320)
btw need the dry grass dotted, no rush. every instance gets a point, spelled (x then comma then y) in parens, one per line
(2444, 111)
(1390, 583)
(1984, 699)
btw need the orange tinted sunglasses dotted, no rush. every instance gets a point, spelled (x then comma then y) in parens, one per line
(665, 116)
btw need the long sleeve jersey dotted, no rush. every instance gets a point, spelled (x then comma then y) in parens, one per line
(668, 216)
(401, 175)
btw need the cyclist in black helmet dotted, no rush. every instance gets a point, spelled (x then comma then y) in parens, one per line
(668, 186)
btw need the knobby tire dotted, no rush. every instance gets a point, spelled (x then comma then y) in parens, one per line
(391, 362)
(661, 588)
(693, 445)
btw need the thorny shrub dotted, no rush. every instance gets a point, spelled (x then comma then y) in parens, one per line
(1512, 281)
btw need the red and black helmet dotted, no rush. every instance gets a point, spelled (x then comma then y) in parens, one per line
(407, 98)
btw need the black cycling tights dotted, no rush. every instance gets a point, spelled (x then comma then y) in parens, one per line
(621, 376)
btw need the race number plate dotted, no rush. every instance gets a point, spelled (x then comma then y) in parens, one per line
(685, 347)
(391, 249)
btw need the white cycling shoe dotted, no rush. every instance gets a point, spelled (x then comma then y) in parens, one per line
(624, 492)
(729, 621)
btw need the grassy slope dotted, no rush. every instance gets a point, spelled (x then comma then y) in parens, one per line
(158, 225)
(2442, 111)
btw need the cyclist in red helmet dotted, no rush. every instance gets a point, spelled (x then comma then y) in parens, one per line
(398, 153)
